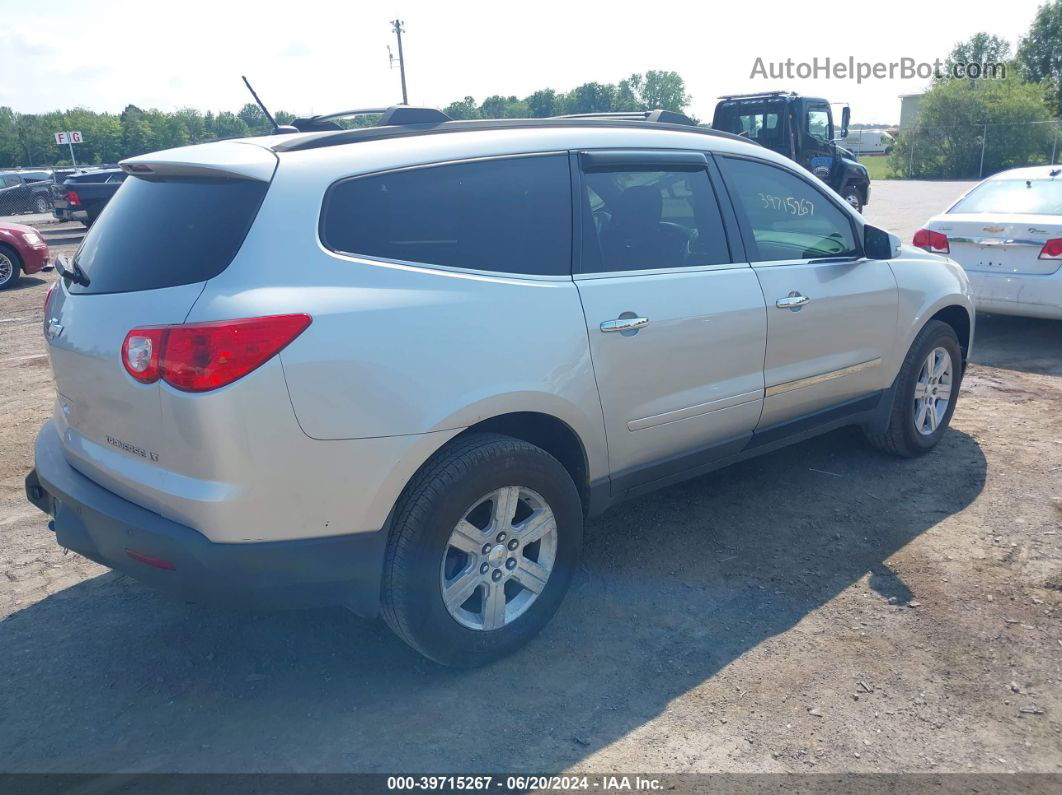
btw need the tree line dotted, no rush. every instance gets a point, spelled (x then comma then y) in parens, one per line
(977, 127)
(28, 139)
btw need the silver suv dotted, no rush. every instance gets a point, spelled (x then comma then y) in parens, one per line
(396, 368)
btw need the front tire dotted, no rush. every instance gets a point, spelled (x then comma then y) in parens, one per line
(482, 549)
(41, 205)
(926, 392)
(10, 267)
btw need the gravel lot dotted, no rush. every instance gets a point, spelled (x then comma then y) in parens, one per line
(823, 609)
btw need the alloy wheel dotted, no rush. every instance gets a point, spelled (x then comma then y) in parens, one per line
(499, 558)
(7, 268)
(932, 394)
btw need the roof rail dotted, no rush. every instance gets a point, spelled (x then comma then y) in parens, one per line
(395, 114)
(629, 121)
(759, 94)
(658, 116)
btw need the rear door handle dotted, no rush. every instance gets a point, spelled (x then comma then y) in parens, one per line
(625, 324)
(792, 301)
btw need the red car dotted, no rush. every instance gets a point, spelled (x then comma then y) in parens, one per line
(22, 250)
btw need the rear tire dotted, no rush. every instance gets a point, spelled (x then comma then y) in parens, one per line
(10, 267)
(918, 421)
(458, 500)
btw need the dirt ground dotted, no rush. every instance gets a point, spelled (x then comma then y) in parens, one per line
(826, 608)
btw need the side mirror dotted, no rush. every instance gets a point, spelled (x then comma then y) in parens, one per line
(846, 116)
(879, 244)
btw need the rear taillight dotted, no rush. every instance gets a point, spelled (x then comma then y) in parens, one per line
(141, 352)
(48, 300)
(931, 241)
(1052, 249)
(73, 199)
(204, 356)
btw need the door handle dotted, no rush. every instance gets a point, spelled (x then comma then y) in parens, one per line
(625, 324)
(792, 301)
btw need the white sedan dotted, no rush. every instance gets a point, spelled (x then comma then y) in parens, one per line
(1006, 232)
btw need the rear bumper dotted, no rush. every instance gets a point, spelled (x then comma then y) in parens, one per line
(96, 523)
(1028, 295)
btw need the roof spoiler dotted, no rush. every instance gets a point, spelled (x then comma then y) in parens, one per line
(219, 159)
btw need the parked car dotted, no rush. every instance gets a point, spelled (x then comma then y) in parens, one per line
(82, 197)
(22, 250)
(1006, 232)
(461, 339)
(24, 193)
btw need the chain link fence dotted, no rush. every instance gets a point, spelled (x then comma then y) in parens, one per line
(974, 151)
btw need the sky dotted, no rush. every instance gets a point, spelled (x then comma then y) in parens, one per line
(315, 56)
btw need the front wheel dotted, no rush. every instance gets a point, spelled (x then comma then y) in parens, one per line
(483, 546)
(41, 205)
(926, 391)
(10, 267)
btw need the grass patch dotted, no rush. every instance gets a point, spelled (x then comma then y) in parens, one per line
(878, 166)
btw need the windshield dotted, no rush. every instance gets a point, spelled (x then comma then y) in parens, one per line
(1011, 196)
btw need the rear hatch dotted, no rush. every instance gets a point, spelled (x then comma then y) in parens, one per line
(1004, 244)
(177, 222)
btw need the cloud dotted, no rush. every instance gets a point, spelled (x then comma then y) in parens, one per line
(294, 50)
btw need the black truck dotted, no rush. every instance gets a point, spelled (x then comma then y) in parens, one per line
(801, 128)
(25, 192)
(82, 197)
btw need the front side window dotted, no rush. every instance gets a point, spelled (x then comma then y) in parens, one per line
(787, 217)
(510, 215)
(641, 220)
(819, 124)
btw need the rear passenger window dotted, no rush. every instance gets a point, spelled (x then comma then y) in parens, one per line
(642, 220)
(788, 217)
(508, 215)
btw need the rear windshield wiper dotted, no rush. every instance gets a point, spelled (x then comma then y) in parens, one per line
(76, 275)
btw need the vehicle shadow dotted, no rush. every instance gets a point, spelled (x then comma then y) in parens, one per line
(109, 676)
(26, 283)
(1019, 343)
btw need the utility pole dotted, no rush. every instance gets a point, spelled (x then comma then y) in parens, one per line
(396, 26)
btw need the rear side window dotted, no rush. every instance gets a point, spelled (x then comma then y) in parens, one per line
(644, 220)
(788, 218)
(165, 232)
(509, 215)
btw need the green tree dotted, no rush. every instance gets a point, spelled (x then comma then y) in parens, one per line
(591, 98)
(665, 90)
(981, 48)
(545, 103)
(1040, 52)
(951, 130)
(464, 109)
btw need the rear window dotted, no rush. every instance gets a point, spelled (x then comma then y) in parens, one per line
(1043, 196)
(510, 215)
(162, 233)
